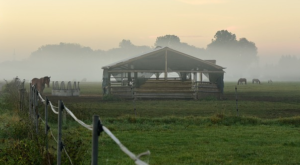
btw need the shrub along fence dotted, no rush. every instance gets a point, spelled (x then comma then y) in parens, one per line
(61, 110)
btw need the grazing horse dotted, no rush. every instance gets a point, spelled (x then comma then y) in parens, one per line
(242, 80)
(270, 81)
(255, 81)
(40, 83)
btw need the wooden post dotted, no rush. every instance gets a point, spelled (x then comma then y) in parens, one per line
(59, 143)
(200, 76)
(236, 99)
(157, 76)
(64, 117)
(95, 140)
(108, 83)
(166, 65)
(46, 124)
(135, 79)
(20, 99)
(29, 94)
(195, 86)
(129, 78)
(36, 110)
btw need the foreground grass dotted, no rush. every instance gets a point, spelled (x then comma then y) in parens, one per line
(217, 139)
(185, 131)
(214, 140)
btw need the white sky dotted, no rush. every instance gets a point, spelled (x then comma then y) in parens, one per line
(101, 24)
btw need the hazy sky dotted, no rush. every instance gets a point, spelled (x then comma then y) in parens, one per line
(274, 25)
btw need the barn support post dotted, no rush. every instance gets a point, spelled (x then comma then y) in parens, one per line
(195, 86)
(129, 78)
(135, 79)
(166, 65)
(108, 83)
(97, 129)
(157, 75)
(59, 142)
(200, 76)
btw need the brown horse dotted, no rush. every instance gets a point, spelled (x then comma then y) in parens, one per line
(242, 80)
(40, 83)
(255, 81)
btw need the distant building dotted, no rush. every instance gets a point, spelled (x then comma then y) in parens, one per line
(163, 73)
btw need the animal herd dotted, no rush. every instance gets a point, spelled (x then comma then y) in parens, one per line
(244, 81)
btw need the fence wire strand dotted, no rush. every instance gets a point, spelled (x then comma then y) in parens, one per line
(90, 127)
(125, 150)
(52, 106)
(106, 130)
(68, 156)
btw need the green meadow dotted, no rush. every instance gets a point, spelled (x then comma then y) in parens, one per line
(265, 130)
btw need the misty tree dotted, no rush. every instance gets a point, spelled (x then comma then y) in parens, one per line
(125, 44)
(235, 55)
(226, 44)
(174, 42)
(167, 40)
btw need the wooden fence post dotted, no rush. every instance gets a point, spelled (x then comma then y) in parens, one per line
(97, 127)
(29, 94)
(36, 110)
(59, 143)
(46, 124)
(20, 99)
(236, 99)
(64, 117)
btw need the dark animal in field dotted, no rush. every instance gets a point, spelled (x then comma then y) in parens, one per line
(270, 81)
(40, 83)
(255, 81)
(242, 80)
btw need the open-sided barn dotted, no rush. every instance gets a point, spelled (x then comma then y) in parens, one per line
(163, 73)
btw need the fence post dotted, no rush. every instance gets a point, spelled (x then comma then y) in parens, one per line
(36, 110)
(20, 99)
(64, 117)
(29, 93)
(236, 100)
(46, 123)
(59, 143)
(97, 129)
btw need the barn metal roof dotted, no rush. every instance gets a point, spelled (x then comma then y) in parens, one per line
(155, 59)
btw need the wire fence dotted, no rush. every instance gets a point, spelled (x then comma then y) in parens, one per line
(34, 97)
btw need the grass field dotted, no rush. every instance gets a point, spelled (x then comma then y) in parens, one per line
(205, 131)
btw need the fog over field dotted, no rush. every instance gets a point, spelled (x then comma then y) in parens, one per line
(70, 40)
(74, 62)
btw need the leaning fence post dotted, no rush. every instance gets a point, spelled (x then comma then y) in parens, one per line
(97, 129)
(59, 143)
(46, 123)
(236, 100)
